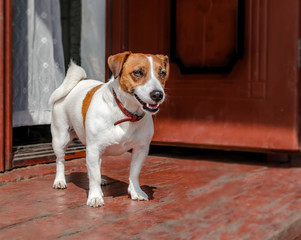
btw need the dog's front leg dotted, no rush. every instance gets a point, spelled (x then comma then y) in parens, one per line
(95, 198)
(138, 157)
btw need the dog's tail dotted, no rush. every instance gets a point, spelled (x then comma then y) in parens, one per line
(74, 75)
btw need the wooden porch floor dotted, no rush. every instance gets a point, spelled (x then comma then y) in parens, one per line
(210, 195)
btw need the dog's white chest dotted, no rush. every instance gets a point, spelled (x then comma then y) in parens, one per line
(122, 140)
(118, 149)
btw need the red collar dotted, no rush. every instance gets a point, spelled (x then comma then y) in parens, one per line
(130, 116)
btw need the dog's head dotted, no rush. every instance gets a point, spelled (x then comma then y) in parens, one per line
(143, 76)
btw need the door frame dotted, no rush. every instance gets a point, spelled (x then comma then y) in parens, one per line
(5, 85)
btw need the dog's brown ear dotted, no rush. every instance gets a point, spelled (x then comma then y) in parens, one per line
(165, 60)
(116, 62)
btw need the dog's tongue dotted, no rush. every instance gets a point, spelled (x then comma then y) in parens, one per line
(153, 105)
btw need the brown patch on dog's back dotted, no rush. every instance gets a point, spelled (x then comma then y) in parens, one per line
(87, 101)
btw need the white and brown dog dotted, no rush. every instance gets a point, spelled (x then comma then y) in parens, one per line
(109, 118)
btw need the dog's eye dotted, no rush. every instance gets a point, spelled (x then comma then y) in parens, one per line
(162, 74)
(138, 73)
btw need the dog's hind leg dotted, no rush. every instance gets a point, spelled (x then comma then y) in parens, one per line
(61, 138)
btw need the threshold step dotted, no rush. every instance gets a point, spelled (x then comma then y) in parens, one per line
(42, 153)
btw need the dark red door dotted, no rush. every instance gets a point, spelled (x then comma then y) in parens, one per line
(234, 79)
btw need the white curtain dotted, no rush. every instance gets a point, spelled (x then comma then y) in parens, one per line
(38, 62)
(93, 35)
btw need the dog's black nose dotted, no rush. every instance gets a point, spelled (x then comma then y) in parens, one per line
(156, 95)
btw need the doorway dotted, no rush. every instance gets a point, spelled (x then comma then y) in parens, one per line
(31, 134)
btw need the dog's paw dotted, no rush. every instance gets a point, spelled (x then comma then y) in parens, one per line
(137, 194)
(59, 184)
(95, 201)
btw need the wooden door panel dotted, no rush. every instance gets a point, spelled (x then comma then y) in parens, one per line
(255, 105)
(212, 41)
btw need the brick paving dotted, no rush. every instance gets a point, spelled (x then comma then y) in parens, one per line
(212, 196)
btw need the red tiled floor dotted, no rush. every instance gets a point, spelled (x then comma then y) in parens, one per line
(224, 196)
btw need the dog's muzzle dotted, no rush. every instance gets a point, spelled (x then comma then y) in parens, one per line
(153, 108)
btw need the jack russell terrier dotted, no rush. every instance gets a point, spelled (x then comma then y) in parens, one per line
(109, 118)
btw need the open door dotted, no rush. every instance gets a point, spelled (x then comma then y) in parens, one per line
(234, 81)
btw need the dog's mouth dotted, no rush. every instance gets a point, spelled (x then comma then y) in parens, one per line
(153, 108)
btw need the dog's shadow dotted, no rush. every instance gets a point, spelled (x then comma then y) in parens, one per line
(112, 188)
